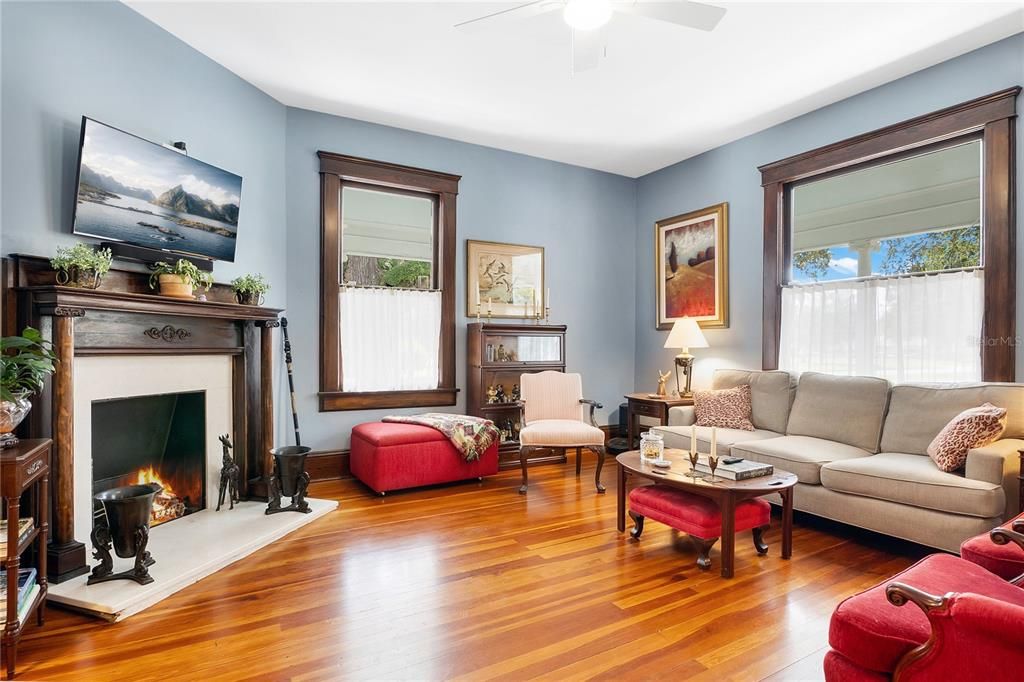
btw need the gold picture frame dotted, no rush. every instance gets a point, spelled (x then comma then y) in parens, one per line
(510, 275)
(691, 268)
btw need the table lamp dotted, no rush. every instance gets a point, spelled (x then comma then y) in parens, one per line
(685, 335)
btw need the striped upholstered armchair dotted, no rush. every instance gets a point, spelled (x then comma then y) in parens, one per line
(555, 417)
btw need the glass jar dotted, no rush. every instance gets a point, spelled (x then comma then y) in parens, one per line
(652, 446)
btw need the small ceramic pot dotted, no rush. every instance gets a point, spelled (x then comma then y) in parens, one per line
(76, 277)
(249, 298)
(174, 285)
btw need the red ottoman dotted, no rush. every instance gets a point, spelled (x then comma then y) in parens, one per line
(391, 456)
(696, 516)
(1006, 561)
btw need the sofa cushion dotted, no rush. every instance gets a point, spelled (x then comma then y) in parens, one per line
(914, 480)
(1006, 561)
(800, 455)
(771, 395)
(849, 410)
(725, 408)
(678, 437)
(917, 412)
(975, 427)
(874, 634)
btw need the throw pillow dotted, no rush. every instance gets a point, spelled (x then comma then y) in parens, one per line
(972, 428)
(727, 408)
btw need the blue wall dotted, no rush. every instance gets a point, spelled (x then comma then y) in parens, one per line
(729, 173)
(583, 218)
(61, 61)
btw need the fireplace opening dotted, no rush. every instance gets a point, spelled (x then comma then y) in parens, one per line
(152, 439)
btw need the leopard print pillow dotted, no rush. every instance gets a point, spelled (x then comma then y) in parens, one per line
(972, 428)
(727, 408)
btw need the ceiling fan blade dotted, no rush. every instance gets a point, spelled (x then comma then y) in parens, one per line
(517, 13)
(588, 48)
(682, 12)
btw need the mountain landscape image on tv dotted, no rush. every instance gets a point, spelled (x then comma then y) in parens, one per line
(135, 191)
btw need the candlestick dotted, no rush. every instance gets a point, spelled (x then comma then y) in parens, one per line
(478, 308)
(488, 308)
(714, 442)
(547, 314)
(547, 297)
(693, 438)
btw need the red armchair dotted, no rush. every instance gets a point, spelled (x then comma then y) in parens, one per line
(997, 552)
(962, 623)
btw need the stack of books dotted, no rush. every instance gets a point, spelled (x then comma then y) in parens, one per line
(28, 588)
(25, 527)
(737, 471)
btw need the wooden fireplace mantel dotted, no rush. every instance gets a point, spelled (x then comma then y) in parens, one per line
(123, 317)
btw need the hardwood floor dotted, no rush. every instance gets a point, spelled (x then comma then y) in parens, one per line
(473, 582)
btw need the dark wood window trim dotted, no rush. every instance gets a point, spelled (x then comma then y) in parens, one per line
(992, 119)
(336, 170)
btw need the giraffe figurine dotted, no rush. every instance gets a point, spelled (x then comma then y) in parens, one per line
(662, 378)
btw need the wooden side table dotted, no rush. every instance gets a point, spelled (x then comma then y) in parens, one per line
(643, 405)
(24, 467)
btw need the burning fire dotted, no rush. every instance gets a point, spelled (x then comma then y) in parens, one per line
(166, 505)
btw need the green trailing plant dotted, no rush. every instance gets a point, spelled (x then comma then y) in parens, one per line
(81, 265)
(27, 361)
(184, 269)
(253, 285)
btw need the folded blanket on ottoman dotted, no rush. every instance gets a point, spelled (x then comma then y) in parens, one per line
(470, 435)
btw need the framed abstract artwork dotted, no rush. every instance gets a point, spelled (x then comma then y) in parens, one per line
(691, 265)
(506, 280)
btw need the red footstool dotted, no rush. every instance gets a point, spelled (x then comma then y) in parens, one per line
(697, 516)
(392, 456)
(1005, 560)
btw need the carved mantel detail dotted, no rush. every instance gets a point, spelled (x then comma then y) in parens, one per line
(168, 333)
(65, 311)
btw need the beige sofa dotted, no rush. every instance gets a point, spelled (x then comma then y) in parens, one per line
(858, 447)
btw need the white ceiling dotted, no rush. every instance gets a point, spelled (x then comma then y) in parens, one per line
(663, 94)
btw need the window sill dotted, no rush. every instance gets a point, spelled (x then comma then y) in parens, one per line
(339, 401)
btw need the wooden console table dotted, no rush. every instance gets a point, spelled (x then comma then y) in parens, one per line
(643, 405)
(22, 467)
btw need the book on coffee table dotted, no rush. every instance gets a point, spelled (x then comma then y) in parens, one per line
(738, 471)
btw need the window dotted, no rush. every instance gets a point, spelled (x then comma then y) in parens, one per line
(892, 253)
(387, 285)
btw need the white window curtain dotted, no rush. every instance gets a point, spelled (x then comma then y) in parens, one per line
(390, 339)
(916, 328)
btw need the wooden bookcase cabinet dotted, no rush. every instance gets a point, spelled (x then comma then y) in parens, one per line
(534, 348)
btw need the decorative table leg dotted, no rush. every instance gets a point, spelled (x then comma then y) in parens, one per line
(728, 535)
(638, 525)
(759, 544)
(620, 514)
(787, 523)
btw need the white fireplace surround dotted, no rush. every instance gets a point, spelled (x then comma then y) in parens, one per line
(189, 548)
(103, 377)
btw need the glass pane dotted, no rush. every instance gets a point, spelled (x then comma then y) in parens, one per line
(523, 349)
(919, 214)
(387, 239)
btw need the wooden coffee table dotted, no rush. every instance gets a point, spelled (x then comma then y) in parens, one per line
(725, 492)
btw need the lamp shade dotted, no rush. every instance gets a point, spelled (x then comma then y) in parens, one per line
(686, 333)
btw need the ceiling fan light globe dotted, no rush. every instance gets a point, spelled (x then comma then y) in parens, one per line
(586, 15)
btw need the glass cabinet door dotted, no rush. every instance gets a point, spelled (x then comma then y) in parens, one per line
(522, 348)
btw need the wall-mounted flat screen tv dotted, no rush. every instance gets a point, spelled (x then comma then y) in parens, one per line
(142, 193)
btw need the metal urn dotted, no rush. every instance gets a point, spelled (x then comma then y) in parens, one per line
(125, 525)
(289, 479)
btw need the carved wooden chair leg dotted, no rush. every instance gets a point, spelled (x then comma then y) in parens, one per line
(638, 525)
(759, 544)
(522, 465)
(579, 460)
(599, 450)
(704, 550)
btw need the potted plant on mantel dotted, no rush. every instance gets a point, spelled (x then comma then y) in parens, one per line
(81, 265)
(27, 361)
(249, 289)
(180, 279)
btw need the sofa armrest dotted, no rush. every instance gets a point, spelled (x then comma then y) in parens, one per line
(683, 416)
(998, 462)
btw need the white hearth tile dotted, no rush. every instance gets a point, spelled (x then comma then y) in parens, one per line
(186, 550)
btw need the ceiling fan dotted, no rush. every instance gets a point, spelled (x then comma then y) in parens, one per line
(587, 19)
